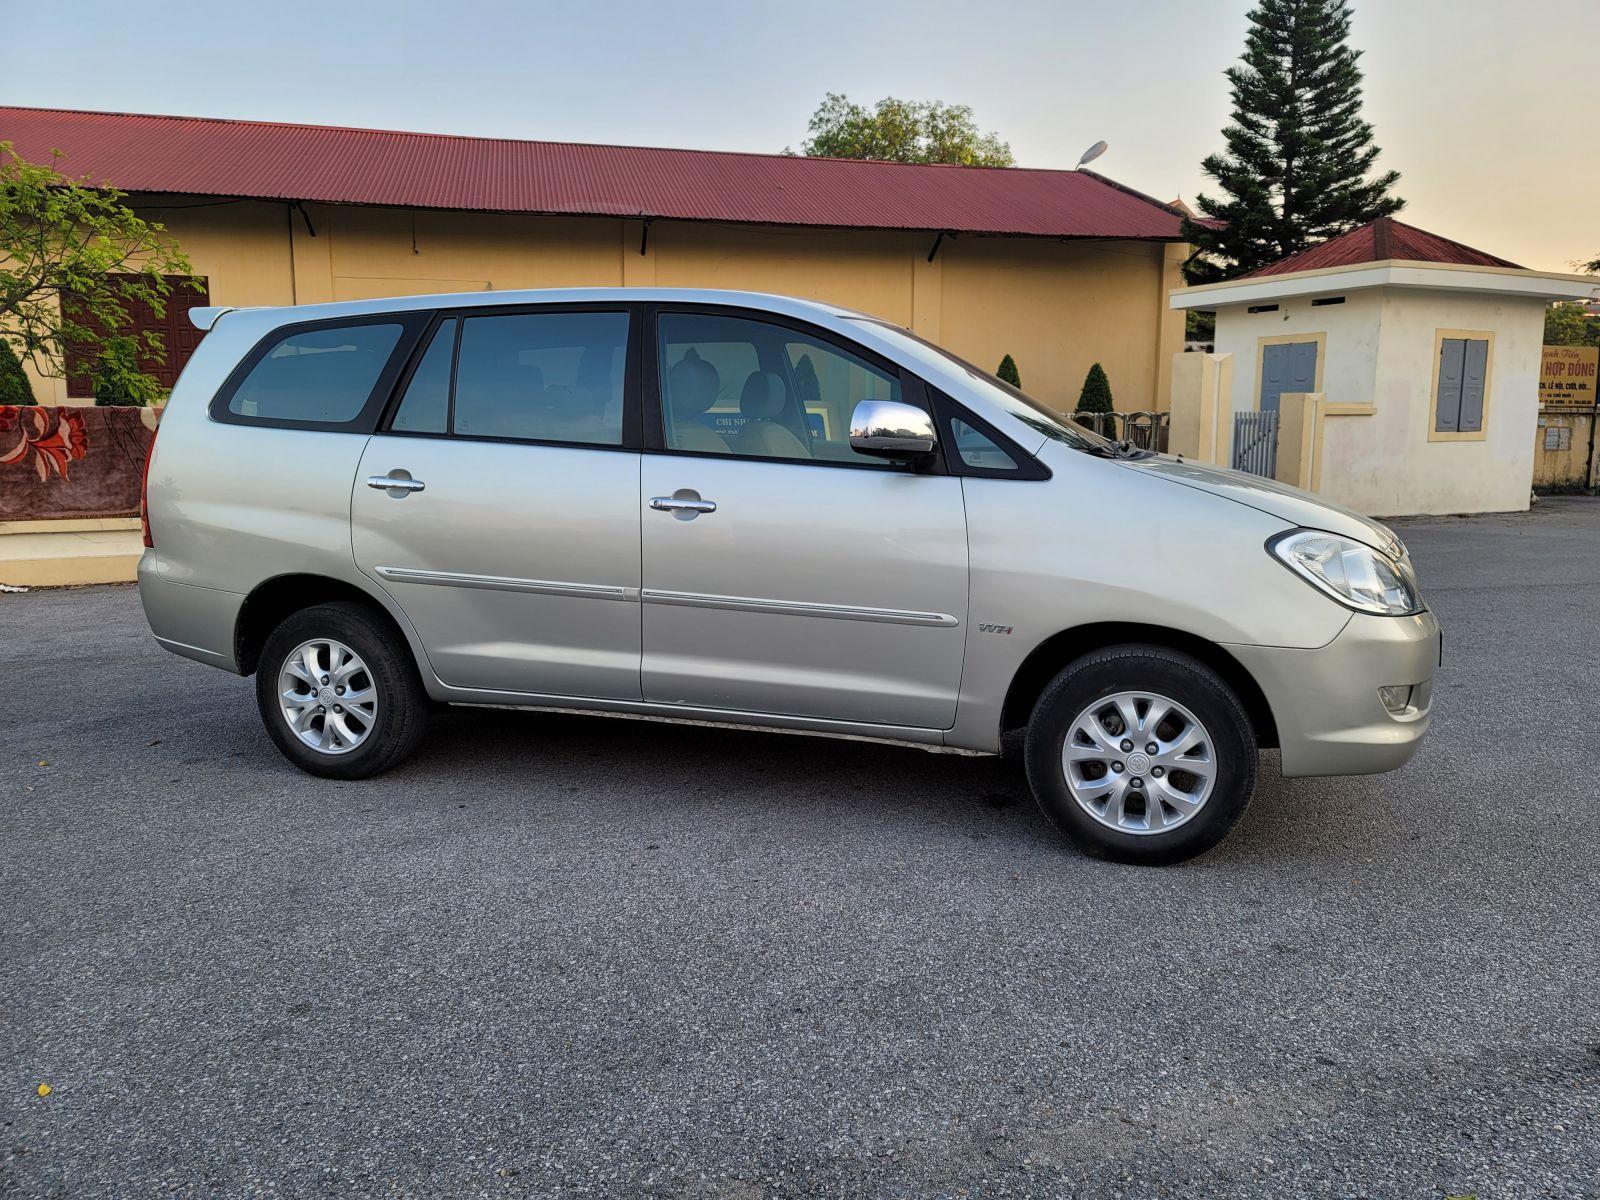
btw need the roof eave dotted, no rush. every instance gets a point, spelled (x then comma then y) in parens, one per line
(214, 198)
(1398, 273)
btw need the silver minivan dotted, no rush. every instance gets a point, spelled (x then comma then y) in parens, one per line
(744, 508)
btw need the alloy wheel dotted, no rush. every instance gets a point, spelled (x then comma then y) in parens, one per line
(328, 696)
(1139, 762)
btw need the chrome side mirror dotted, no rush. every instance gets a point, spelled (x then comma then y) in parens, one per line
(889, 429)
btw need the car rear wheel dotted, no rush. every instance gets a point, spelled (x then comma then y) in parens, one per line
(1141, 754)
(339, 692)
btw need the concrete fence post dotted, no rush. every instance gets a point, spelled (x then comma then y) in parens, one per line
(1202, 408)
(1223, 387)
(1300, 440)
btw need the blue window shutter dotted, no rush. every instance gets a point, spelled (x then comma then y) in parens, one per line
(1286, 367)
(1474, 379)
(1274, 375)
(1302, 367)
(1447, 414)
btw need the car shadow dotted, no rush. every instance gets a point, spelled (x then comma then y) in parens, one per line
(656, 758)
(711, 766)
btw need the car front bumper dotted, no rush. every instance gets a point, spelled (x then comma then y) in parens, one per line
(1331, 719)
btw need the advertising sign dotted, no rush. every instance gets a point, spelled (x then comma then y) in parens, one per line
(1567, 376)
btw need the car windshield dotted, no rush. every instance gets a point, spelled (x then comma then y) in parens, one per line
(1014, 401)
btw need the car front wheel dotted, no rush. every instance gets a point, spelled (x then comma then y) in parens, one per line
(339, 692)
(1141, 754)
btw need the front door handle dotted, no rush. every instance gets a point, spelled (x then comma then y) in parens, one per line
(685, 504)
(395, 483)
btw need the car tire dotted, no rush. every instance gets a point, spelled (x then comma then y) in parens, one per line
(1083, 756)
(378, 718)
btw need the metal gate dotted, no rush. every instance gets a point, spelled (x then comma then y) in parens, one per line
(1146, 430)
(1255, 443)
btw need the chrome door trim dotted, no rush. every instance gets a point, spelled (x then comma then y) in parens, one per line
(795, 608)
(501, 583)
(676, 504)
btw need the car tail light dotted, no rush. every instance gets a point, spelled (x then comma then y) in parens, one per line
(144, 492)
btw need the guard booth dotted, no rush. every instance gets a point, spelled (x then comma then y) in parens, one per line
(1392, 370)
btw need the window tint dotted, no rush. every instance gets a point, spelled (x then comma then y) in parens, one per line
(732, 385)
(426, 406)
(554, 377)
(317, 375)
(977, 450)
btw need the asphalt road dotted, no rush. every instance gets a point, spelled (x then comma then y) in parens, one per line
(569, 956)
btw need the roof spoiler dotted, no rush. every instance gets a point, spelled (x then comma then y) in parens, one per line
(205, 318)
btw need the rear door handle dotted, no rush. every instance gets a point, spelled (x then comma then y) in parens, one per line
(395, 483)
(682, 504)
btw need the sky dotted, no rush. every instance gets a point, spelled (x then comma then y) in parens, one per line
(1486, 107)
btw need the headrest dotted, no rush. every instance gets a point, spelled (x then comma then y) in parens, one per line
(763, 396)
(692, 385)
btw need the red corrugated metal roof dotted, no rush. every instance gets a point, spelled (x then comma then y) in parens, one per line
(1380, 241)
(207, 157)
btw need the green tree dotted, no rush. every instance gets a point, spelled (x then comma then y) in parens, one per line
(1199, 326)
(1008, 372)
(912, 131)
(1569, 324)
(1096, 394)
(1299, 162)
(73, 259)
(120, 382)
(14, 385)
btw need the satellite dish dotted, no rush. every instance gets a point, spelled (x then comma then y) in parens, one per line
(1092, 153)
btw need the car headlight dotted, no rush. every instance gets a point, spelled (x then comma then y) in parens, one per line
(1351, 572)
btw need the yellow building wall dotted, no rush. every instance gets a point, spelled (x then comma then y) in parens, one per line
(857, 269)
(1058, 308)
(1055, 307)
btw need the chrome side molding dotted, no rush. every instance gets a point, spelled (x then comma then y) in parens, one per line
(841, 612)
(603, 591)
(501, 583)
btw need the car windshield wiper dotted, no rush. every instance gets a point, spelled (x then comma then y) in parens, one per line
(1119, 450)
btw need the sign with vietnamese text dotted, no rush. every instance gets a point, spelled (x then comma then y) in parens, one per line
(1567, 376)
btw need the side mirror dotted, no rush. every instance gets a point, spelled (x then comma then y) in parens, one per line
(889, 429)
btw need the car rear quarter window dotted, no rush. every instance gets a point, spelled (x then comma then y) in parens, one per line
(317, 376)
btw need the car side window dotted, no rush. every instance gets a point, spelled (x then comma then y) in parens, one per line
(550, 376)
(754, 389)
(425, 408)
(317, 376)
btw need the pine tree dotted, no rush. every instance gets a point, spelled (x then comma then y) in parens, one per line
(1008, 372)
(806, 384)
(1096, 394)
(14, 385)
(1299, 156)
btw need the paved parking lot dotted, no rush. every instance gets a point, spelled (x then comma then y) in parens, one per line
(560, 955)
